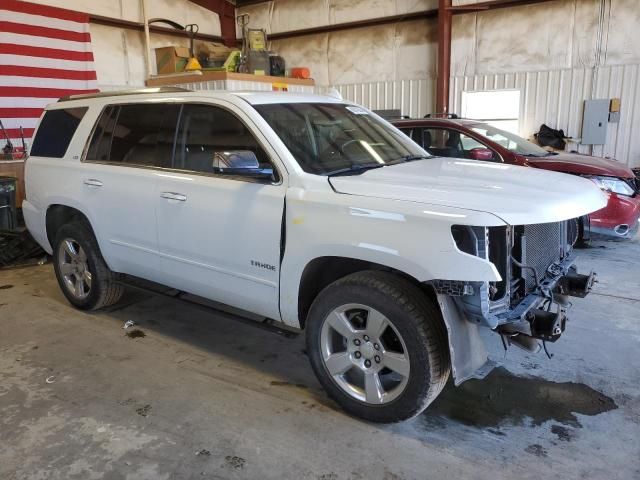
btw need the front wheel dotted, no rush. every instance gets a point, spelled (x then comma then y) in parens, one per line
(378, 346)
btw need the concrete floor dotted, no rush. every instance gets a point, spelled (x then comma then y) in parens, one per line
(200, 396)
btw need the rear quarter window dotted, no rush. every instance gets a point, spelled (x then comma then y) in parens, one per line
(56, 131)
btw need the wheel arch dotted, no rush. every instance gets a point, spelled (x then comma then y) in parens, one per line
(58, 215)
(466, 346)
(323, 271)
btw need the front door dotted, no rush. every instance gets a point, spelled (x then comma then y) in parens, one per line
(219, 235)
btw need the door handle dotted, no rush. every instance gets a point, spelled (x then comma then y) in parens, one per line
(174, 196)
(92, 182)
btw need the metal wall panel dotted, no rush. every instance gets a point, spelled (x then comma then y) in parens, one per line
(414, 98)
(556, 97)
(242, 85)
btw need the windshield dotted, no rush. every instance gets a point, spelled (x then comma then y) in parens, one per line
(326, 138)
(509, 140)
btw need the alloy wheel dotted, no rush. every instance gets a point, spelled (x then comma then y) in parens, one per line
(364, 354)
(74, 268)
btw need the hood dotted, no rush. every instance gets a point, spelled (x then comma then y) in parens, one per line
(581, 164)
(518, 195)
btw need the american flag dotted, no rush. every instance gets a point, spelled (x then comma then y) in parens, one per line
(45, 53)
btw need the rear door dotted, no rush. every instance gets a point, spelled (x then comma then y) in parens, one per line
(219, 235)
(130, 144)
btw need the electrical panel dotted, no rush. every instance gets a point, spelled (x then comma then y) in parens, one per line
(595, 122)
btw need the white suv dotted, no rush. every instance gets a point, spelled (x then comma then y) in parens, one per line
(312, 212)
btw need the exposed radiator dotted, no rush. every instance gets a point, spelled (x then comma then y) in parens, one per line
(545, 244)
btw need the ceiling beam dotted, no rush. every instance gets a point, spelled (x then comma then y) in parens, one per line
(244, 3)
(423, 14)
(372, 22)
(492, 5)
(129, 25)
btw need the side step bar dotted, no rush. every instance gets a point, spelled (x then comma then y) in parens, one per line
(221, 310)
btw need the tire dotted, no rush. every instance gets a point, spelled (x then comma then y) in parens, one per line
(99, 288)
(583, 239)
(422, 345)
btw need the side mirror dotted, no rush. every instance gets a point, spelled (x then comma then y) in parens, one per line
(481, 154)
(239, 162)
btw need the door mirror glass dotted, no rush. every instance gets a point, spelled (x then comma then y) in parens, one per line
(239, 162)
(481, 154)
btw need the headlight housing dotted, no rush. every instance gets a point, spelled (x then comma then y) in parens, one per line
(614, 185)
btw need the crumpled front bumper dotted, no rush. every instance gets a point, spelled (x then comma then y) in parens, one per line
(540, 315)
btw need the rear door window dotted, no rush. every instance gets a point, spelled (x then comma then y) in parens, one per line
(139, 135)
(56, 131)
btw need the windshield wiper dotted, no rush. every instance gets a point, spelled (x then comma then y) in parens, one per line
(411, 158)
(354, 169)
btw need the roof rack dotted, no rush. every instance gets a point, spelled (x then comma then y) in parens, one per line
(393, 114)
(117, 93)
(451, 116)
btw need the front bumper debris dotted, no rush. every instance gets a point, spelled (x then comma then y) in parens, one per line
(542, 315)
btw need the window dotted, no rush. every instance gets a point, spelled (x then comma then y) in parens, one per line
(141, 135)
(499, 108)
(445, 142)
(205, 130)
(509, 141)
(325, 138)
(56, 131)
(468, 143)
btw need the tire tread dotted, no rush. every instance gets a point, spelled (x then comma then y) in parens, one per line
(428, 323)
(109, 290)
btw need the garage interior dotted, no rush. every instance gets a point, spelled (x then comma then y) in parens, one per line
(154, 388)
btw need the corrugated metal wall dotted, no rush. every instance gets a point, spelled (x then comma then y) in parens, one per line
(557, 98)
(239, 85)
(414, 98)
(554, 97)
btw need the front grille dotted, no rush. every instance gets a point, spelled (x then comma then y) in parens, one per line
(544, 244)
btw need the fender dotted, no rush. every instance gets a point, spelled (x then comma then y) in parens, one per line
(403, 236)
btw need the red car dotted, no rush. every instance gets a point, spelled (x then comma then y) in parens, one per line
(473, 139)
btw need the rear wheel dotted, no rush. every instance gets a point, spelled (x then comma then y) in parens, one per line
(378, 346)
(81, 271)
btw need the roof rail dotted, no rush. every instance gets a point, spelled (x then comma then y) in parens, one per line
(117, 93)
(393, 114)
(451, 116)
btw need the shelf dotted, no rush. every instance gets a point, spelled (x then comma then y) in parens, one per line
(177, 79)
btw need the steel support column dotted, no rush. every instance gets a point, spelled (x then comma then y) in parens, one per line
(227, 13)
(444, 56)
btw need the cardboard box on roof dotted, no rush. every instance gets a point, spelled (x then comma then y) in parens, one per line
(171, 59)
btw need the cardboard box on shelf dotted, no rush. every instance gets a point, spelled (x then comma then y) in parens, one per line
(171, 59)
(212, 53)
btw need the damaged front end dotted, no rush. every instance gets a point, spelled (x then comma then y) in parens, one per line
(528, 306)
